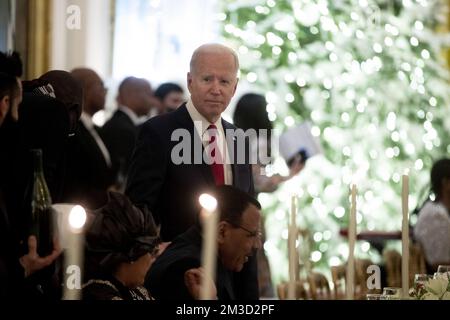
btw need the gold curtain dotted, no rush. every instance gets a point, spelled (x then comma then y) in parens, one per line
(38, 37)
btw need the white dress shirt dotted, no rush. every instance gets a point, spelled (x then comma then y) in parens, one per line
(433, 232)
(133, 116)
(87, 122)
(201, 126)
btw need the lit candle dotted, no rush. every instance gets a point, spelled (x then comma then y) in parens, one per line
(292, 237)
(350, 287)
(405, 236)
(74, 253)
(210, 218)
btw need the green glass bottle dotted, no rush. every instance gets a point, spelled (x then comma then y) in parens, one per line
(41, 208)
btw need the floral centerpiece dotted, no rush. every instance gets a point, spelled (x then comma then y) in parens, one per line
(433, 289)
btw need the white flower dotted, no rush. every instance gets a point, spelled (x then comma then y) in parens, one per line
(429, 296)
(437, 287)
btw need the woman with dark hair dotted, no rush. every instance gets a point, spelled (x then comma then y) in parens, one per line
(121, 244)
(432, 230)
(251, 114)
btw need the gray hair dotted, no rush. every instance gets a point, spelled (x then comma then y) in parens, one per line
(216, 48)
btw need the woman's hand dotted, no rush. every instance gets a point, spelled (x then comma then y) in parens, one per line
(32, 262)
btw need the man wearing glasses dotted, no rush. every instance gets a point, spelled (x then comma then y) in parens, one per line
(238, 235)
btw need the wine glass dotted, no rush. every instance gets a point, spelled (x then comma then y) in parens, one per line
(443, 271)
(392, 293)
(373, 296)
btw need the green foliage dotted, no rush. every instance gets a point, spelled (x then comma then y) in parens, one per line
(369, 75)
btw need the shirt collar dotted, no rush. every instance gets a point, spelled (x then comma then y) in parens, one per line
(200, 122)
(132, 115)
(87, 120)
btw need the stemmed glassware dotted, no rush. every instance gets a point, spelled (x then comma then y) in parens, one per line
(392, 293)
(443, 271)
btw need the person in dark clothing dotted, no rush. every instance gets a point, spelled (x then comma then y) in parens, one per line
(237, 237)
(120, 132)
(17, 275)
(121, 244)
(171, 96)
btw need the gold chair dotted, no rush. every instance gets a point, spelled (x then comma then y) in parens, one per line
(416, 261)
(393, 262)
(338, 274)
(319, 288)
(300, 291)
(361, 288)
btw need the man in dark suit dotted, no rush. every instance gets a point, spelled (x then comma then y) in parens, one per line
(170, 188)
(120, 132)
(238, 233)
(88, 174)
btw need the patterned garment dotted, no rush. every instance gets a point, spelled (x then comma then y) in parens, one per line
(432, 231)
(97, 289)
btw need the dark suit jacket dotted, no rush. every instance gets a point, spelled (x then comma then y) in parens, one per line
(88, 175)
(171, 191)
(165, 279)
(119, 134)
(43, 124)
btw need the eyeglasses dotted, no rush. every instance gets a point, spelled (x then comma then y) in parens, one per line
(253, 234)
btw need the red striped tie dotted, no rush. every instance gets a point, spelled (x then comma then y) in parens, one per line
(217, 164)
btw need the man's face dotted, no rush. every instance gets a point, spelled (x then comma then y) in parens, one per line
(235, 243)
(212, 83)
(142, 98)
(95, 93)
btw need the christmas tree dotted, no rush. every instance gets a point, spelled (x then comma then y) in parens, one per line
(371, 78)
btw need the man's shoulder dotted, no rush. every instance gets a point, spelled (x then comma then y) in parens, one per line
(227, 125)
(119, 120)
(167, 122)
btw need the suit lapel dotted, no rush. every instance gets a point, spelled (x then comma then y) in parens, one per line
(232, 145)
(185, 121)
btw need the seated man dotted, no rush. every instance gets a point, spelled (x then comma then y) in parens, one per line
(238, 234)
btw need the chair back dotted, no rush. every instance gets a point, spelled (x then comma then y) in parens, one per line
(319, 288)
(300, 291)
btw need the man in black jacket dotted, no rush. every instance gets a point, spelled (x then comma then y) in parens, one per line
(172, 166)
(238, 235)
(119, 133)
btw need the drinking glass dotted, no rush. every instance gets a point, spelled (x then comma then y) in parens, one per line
(443, 271)
(392, 293)
(373, 296)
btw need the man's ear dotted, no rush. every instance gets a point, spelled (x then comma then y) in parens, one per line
(4, 107)
(222, 231)
(189, 80)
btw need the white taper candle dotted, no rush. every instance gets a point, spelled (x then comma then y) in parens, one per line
(292, 237)
(209, 218)
(350, 287)
(405, 236)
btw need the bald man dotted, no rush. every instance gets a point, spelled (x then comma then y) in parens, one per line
(89, 165)
(135, 99)
(171, 189)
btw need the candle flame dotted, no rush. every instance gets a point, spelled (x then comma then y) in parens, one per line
(208, 202)
(77, 218)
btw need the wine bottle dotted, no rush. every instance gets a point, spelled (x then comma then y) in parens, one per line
(41, 208)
